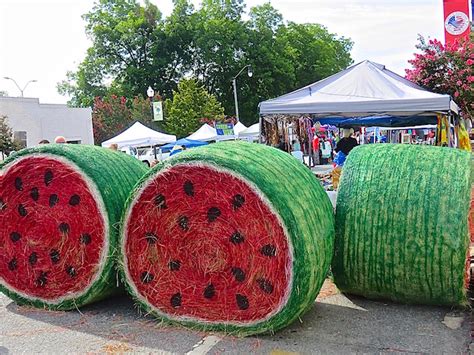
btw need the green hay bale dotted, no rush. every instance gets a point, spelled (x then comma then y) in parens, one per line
(401, 224)
(60, 206)
(172, 201)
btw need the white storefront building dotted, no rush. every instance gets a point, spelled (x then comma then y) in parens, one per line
(32, 121)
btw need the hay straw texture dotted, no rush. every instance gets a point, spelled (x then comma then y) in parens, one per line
(239, 239)
(401, 224)
(60, 206)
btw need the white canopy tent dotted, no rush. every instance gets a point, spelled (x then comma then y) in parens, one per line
(139, 135)
(239, 127)
(205, 133)
(252, 132)
(363, 89)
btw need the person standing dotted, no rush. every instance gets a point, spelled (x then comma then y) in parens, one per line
(326, 151)
(347, 143)
(316, 150)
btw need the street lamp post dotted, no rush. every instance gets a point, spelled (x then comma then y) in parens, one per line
(151, 94)
(18, 86)
(234, 84)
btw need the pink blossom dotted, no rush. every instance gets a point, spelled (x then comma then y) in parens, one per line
(456, 94)
(470, 62)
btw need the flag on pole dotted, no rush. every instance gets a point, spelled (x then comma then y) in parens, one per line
(456, 20)
(157, 111)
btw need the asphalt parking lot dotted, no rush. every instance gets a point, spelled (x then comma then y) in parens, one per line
(336, 324)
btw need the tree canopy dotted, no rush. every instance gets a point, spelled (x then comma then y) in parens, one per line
(191, 103)
(134, 46)
(446, 70)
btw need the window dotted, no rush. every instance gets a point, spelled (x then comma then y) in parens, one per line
(20, 137)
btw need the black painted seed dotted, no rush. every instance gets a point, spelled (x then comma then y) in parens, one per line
(42, 279)
(238, 201)
(183, 222)
(48, 177)
(213, 213)
(160, 202)
(268, 250)
(33, 258)
(151, 238)
(238, 273)
(15, 236)
(34, 194)
(237, 238)
(22, 210)
(265, 285)
(53, 200)
(19, 184)
(12, 265)
(3, 205)
(174, 265)
(64, 228)
(176, 300)
(71, 271)
(209, 291)
(54, 255)
(85, 239)
(146, 277)
(188, 188)
(74, 200)
(242, 301)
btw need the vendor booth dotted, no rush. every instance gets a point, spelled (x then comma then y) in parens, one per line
(138, 135)
(205, 133)
(363, 95)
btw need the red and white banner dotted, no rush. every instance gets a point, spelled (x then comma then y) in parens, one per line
(456, 20)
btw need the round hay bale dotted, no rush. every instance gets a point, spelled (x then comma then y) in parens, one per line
(402, 224)
(59, 209)
(234, 237)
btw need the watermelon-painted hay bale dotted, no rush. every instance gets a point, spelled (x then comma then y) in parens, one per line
(59, 209)
(402, 224)
(234, 237)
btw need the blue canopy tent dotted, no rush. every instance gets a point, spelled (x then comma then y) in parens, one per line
(380, 121)
(188, 143)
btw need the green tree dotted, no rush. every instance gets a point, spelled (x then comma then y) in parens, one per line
(123, 34)
(133, 47)
(110, 116)
(446, 70)
(191, 103)
(7, 143)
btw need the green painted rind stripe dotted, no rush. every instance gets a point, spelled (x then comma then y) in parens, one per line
(401, 224)
(115, 174)
(302, 204)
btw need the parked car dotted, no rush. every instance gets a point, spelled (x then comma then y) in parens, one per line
(147, 155)
(130, 151)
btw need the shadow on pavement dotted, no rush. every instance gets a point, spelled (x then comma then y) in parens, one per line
(338, 324)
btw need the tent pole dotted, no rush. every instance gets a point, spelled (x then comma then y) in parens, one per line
(260, 122)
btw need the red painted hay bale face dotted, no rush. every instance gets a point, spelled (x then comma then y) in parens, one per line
(204, 245)
(53, 235)
(234, 237)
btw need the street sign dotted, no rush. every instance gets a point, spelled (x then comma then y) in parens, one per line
(157, 111)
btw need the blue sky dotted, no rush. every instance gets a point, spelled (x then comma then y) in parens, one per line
(42, 39)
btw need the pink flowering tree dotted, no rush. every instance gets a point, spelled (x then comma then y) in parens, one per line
(446, 70)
